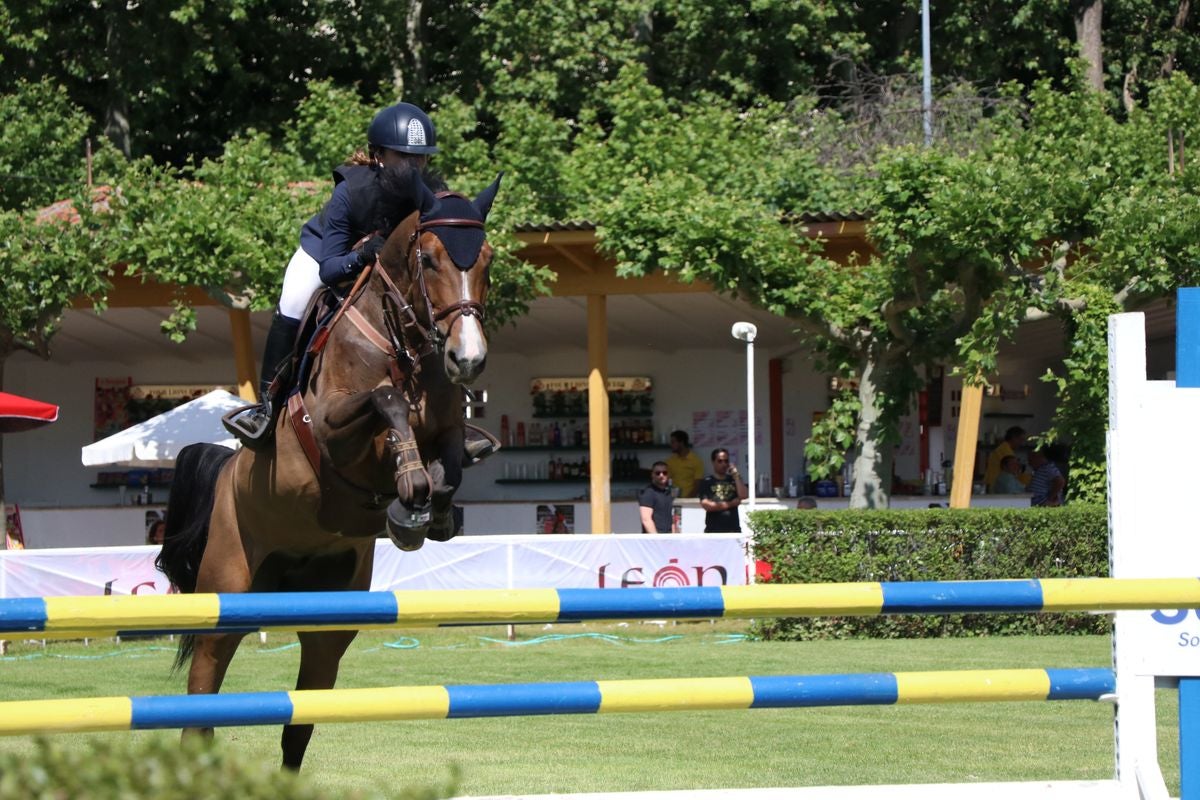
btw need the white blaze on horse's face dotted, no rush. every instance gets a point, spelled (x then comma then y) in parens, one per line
(464, 348)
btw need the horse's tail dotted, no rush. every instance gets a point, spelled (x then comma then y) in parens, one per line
(189, 507)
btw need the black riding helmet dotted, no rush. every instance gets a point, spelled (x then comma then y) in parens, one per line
(405, 129)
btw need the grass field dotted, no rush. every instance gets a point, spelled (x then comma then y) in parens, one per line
(700, 749)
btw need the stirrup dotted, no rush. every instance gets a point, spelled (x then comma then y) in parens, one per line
(252, 425)
(478, 444)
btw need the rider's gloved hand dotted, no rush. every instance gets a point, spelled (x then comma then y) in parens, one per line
(370, 250)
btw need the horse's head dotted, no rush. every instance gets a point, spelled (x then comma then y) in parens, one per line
(449, 261)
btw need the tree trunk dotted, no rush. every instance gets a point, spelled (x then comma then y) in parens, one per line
(116, 103)
(1088, 33)
(415, 38)
(873, 464)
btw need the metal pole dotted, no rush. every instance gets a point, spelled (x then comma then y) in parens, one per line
(926, 79)
(750, 421)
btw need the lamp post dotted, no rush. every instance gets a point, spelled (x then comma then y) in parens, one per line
(746, 332)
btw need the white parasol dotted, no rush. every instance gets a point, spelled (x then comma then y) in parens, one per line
(157, 441)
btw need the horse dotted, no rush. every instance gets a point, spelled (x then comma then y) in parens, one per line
(371, 441)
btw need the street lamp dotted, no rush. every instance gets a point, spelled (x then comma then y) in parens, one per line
(746, 332)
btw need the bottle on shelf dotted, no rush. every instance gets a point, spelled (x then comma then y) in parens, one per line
(520, 434)
(505, 440)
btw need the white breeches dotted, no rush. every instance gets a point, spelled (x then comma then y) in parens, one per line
(300, 282)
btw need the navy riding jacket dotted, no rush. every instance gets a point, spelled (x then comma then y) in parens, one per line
(356, 209)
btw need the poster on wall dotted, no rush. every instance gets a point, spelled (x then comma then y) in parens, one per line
(14, 537)
(724, 428)
(555, 519)
(111, 407)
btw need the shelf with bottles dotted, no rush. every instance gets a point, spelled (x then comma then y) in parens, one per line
(574, 433)
(626, 466)
(577, 448)
(548, 482)
(568, 397)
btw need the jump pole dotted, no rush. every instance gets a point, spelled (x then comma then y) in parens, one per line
(533, 699)
(73, 617)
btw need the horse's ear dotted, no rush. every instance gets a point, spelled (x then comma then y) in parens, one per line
(483, 203)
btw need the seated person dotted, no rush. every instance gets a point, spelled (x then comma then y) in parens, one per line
(1047, 483)
(1008, 481)
(1014, 437)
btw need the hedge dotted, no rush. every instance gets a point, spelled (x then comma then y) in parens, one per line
(120, 767)
(932, 545)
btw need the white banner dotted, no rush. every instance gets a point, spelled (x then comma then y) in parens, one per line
(472, 562)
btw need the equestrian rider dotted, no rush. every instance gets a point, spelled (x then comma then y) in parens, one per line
(400, 138)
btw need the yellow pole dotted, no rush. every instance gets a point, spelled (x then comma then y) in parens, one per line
(964, 448)
(597, 311)
(243, 354)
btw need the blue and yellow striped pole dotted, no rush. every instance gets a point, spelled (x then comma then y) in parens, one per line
(98, 616)
(529, 699)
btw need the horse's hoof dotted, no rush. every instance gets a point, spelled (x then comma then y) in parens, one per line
(407, 528)
(444, 533)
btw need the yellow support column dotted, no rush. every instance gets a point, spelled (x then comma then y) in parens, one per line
(243, 354)
(601, 498)
(964, 448)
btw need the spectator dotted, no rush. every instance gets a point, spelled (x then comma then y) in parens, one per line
(684, 465)
(1009, 480)
(655, 502)
(805, 503)
(720, 495)
(1047, 483)
(157, 532)
(1014, 437)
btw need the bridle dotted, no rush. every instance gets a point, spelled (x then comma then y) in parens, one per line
(408, 333)
(465, 308)
(408, 337)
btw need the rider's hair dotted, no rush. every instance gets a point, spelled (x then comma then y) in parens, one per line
(366, 156)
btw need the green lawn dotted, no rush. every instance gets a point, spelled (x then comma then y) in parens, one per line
(700, 749)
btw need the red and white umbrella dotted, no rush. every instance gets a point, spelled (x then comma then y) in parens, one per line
(21, 414)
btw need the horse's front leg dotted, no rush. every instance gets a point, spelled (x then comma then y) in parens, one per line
(447, 475)
(408, 516)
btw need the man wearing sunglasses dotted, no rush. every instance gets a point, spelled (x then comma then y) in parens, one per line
(720, 495)
(655, 500)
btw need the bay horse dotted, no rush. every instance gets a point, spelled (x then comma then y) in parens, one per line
(371, 441)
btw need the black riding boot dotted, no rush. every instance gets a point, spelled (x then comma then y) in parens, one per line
(478, 444)
(254, 426)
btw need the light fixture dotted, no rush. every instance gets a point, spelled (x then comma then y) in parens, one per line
(744, 331)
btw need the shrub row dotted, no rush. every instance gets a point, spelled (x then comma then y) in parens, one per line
(125, 766)
(932, 545)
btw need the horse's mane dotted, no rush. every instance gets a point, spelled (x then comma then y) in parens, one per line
(400, 193)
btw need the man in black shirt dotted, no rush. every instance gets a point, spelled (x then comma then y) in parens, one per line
(654, 502)
(720, 495)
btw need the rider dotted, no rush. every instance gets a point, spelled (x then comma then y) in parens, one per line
(400, 139)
